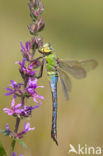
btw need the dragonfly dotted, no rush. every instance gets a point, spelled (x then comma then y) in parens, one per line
(62, 68)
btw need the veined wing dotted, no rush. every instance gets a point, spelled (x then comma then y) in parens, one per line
(65, 81)
(78, 69)
(88, 65)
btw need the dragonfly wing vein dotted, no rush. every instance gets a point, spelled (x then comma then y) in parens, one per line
(76, 71)
(65, 81)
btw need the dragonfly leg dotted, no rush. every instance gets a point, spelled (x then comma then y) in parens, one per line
(36, 59)
(41, 70)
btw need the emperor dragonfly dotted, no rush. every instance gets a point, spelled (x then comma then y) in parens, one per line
(61, 68)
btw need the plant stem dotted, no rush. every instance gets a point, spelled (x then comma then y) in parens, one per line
(18, 121)
(17, 125)
(16, 128)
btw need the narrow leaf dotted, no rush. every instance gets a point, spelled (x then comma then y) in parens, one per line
(22, 143)
(5, 132)
(13, 144)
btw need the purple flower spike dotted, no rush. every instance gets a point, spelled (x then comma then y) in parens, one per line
(15, 110)
(26, 129)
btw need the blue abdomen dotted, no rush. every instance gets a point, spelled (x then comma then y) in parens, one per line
(53, 78)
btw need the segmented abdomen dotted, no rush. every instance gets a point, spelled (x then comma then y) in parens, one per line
(53, 78)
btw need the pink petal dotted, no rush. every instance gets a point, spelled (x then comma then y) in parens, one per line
(18, 106)
(17, 111)
(13, 103)
(40, 87)
(31, 129)
(35, 81)
(35, 99)
(27, 126)
(6, 109)
(10, 113)
(41, 97)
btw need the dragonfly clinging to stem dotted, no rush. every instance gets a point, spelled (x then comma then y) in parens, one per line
(61, 68)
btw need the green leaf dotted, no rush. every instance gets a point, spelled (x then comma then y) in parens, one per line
(2, 150)
(5, 132)
(13, 144)
(22, 143)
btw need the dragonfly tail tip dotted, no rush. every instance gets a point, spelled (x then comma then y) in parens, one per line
(55, 139)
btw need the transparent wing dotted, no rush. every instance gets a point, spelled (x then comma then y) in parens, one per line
(78, 69)
(65, 81)
(88, 65)
(75, 71)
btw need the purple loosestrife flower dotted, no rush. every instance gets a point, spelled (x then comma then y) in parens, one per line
(36, 42)
(8, 129)
(15, 110)
(20, 134)
(27, 110)
(19, 111)
(26, 50)
(26, 71)
(16, 88)
(15, 154)
(26, 129)
(31, 89)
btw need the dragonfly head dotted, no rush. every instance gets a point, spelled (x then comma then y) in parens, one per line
(46, 49)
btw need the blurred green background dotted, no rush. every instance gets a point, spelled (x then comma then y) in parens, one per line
(75, 30)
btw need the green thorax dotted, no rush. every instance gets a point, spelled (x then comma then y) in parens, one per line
(51, 63)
